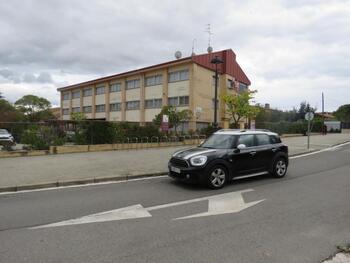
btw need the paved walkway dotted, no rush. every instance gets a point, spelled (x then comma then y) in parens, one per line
(79, 166)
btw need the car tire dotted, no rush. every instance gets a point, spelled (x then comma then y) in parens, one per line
(279, 167)
(216, 176)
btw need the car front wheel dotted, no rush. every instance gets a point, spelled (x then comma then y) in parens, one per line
(279, 168)
(217, 177)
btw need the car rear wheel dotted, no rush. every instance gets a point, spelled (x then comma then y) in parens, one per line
(217, 177)
(279, 168)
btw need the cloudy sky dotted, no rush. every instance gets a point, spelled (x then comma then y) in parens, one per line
(292, 50)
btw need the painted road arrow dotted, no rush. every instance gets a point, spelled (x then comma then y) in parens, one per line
(217, 204)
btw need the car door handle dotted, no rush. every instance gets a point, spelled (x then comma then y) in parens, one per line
(274, 149)
(252, 153)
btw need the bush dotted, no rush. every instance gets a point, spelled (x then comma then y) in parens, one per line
(101, 132)
(299, 127)
(41, 138)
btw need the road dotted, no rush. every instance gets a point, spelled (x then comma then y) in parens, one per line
(300, 218)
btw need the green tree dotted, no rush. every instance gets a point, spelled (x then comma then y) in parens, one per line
(343, 113)
(176, 117)
(34, 108)
(8, 113)
(303, 109)
(238, 107)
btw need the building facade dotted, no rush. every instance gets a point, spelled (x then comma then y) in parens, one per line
(139, 95)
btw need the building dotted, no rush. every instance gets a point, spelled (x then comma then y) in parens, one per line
(138, 95)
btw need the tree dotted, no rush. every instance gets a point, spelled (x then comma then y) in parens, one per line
(304, 108)
(343, 113)
(238, 106)
(8, 113)
(34, 108)
(175, 116)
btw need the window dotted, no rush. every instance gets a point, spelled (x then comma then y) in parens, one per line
(247, 140)
(87, 92)
(220, 141)
(76, 94)
(65, 111)
(133, 105)
(65, 96)
(274, 139)
(183, 101)
(263, 139)
(154, 80)
(115, 107)
(173, 101)
(87, 109)
(100, 108)
(178, 101)
(242, 87)
(178, 75)
(230, 84)
(115, 87)
(153, 104)
(75, 109)
(100, 90)
(133, 84)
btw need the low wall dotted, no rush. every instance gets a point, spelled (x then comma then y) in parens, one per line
(118, 146)
(345, 130)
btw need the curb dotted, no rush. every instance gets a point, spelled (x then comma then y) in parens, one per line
(58, 184)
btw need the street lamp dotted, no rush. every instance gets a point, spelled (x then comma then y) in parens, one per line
(216, 60)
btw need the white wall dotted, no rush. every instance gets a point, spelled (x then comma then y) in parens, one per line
(133, 94)
(115, 97)
(87, 101)
(100, 99)
(132, 115)
(154, 92)
(150, 114)
(115, 116)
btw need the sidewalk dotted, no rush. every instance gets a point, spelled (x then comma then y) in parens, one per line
(66, 169)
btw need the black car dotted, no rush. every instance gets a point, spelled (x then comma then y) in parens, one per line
(229, 154)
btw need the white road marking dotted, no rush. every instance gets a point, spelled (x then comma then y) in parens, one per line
(135, 211)
(333, 148)
(224, 204)
(218, 204)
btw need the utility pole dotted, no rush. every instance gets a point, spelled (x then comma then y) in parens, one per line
(323, 126)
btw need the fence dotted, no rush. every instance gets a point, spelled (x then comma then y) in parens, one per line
(42, 135)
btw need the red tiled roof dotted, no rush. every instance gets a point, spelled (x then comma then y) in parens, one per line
(230, 67)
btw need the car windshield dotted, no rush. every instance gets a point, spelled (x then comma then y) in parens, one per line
(219, 141)
(3, 131)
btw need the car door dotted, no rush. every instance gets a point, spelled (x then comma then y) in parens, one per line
(245, 159)
(264, 152)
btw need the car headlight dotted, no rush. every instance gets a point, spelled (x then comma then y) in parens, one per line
(198, 160)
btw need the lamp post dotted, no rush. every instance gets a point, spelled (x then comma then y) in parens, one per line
(216, 60)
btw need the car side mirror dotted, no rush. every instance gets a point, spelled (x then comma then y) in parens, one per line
(241, 146)
(201, 142)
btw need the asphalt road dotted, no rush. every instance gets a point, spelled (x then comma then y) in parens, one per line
(301, 219)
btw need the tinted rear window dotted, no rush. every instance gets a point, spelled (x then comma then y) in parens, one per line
(275, 139)
(263, 139)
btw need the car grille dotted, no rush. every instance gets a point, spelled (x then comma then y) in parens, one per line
(178, 162)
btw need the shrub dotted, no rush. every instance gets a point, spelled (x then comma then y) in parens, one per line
(41, 138)
(299, 127)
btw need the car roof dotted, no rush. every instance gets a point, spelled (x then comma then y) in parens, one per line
(240, 132)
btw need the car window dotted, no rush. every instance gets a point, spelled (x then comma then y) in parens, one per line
(220, 141)
(263, 139)
(247, 140)
(3, 131)
(275, 139)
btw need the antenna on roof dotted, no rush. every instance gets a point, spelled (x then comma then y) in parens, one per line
(208, 30)
(193, 42)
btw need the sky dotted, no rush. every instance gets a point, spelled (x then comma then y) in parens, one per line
(291, 50)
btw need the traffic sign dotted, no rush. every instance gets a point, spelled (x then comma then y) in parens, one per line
(309, 116)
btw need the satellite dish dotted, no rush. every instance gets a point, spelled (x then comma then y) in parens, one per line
(178, 54)
(210, 49)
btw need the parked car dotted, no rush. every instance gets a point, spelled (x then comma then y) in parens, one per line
(229, 154)
(6, 139)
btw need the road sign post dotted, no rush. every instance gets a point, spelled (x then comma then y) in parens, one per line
(309, 117)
